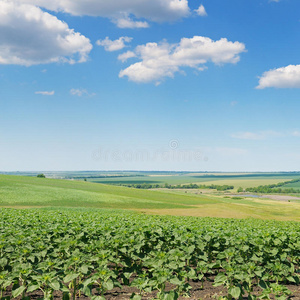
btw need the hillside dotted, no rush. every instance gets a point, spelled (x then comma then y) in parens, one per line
(26, 192)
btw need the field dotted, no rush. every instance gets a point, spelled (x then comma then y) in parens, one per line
(27, 192)
(237, 180)
(295, 185)
(80, 254)
(243, 180)
(74, 239)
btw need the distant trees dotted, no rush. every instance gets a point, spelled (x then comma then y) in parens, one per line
(275, 188)
(179, 186)
(40, 176)
(240, 190)
(200, 186)
(143, 186)
(272, 188)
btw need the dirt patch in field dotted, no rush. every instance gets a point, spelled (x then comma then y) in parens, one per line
(280, 197)
(208, 291)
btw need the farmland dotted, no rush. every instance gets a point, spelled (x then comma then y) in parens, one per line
(72, 239)
(244, 180)
(80, 254)
(28, 192)
(238, 180)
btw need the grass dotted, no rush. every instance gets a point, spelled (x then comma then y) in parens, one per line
(159, 179)
(246, 182)
(294, 185)
(26, 192)
(237, 180)
(30, 191)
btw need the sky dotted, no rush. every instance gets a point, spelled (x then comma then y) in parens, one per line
(179, 85)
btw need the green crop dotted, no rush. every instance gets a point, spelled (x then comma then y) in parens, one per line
(76, 253)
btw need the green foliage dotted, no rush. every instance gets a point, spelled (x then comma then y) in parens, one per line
(32, 191)
(75, 251)
(40, 176)
(275, 188)
(200, 186)
(143, 185)
(146, 185)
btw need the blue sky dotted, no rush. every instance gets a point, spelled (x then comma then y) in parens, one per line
(206, 86)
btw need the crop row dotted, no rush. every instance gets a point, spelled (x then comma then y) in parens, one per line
(90, 253)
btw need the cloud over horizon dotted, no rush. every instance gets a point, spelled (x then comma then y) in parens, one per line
(263, 135)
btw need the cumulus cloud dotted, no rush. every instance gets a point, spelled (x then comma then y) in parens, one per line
(158, 61)
(127, 22)
(115, 45)
(201, 11)
(80, 92)
(45, 93)
(30, 36)
(285, 77)
(154, 10)
(125, 56)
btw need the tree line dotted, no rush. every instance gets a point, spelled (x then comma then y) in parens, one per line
(272, 188)
(180, 186)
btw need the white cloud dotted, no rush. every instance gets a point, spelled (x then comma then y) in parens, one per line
(262, 135)
(81, 92)
(45, 93)
(248, 136)
(124, 56)
(30, 36)
(285, 77)
(201, 11)
(228, 151)
(115, 45)
(296, 133)
(164, 60)
(154, 10)
(127, 22)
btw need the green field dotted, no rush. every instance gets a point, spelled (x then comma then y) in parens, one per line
(62, 239)
(26, 192)
(295, 185)
(69, 254)
(237, 180)
(243, 180)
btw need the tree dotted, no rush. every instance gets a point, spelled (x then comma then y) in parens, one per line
(240, 190)
(41, 176)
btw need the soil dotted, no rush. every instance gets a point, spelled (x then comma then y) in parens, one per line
(197, 292)
(280, 198)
